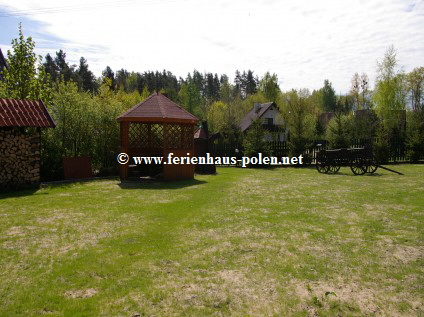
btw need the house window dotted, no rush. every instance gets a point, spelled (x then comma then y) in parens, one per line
(268, 121)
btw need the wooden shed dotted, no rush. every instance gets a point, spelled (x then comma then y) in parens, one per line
(20, 127)
(158, 126)
(202, 146)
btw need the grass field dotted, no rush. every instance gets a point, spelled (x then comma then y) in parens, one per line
(244, 242)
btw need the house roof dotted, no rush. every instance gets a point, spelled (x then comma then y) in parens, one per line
(3, 63)
(252, 115)
(158, 108)
(24, 113)
(2, 59)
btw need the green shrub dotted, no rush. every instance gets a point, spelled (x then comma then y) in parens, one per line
(381, 147)
(254, 141)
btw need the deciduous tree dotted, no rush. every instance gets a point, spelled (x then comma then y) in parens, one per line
(389, 94)
(25, 77)
(299, 117)
(269, 86)
(190, 98)
(218, 116)
(415, 88)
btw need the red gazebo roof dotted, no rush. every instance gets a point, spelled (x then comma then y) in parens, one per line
(158, 108)
(24, 113)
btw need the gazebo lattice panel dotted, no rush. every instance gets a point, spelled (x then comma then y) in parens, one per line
(173, 136)
(145, 135)
(187, 140)
(138, 135)
(156, 135)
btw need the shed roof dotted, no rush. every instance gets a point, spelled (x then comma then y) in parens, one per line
(200, 133)
(24, 113)
(252, 115)
(158, 108)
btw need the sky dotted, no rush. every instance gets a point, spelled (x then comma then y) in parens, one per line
(304, 42)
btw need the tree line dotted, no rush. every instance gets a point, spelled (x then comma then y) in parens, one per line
(85, 107)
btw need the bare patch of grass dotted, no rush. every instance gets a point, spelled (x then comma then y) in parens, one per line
(228, 291)
(20, 231)
(360, 300)
(82, 293)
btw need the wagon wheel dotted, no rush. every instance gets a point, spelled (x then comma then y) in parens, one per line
(372, 166)
(358, 166)
(334, 168)
(322, 167)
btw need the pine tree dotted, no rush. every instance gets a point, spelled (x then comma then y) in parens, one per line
(415, 135)
(329, 97)
(251, 83)
(108, 74)
(237, 84)
(66, 72)
(51, 68)
(86, 79)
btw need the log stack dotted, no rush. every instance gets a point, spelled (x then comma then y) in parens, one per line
(19, 157)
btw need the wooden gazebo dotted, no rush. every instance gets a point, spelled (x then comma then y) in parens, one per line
(156, 127)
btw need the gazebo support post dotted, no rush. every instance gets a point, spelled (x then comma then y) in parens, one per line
(124, 148)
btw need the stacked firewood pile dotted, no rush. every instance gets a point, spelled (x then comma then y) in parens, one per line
(19, 157)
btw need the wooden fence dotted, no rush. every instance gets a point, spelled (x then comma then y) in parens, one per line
(221, 148)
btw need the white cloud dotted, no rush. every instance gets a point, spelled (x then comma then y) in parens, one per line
(304, 42)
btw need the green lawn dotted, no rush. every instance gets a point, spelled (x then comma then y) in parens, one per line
(244, 242)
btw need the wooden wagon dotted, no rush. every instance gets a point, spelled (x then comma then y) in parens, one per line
(360, 160)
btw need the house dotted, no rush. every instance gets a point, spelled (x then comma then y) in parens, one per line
(3, 64)
(269, 114)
